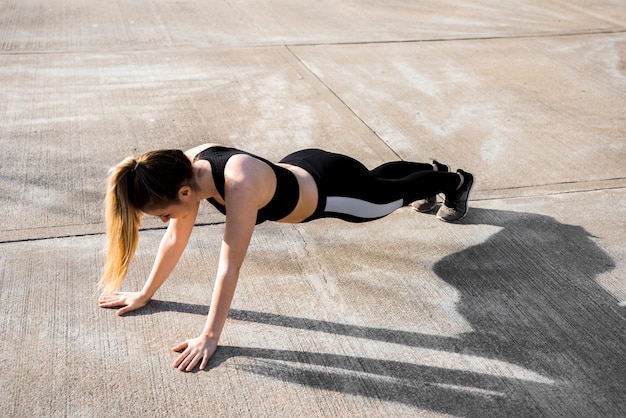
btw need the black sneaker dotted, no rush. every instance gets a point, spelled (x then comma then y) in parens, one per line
(455, 206)
(428, 204)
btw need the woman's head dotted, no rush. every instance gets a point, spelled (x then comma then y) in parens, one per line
(149, 182)
(156, 177)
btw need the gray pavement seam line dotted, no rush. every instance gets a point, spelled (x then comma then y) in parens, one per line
(350, 109)
(33, 239)
(479, 199)
(475, 38)
(555, 193)
(484, 195)
(563, 183)
(178, 47)
(93, 234)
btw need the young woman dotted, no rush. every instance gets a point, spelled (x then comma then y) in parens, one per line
(306, 185)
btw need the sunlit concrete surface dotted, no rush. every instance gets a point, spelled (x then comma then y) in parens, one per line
(519, 310)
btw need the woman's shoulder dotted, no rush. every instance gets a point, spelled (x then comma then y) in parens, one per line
(193, 152)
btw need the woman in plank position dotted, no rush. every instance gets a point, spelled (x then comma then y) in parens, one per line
(306, 185)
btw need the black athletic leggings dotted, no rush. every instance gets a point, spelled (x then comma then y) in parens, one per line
(349, 191)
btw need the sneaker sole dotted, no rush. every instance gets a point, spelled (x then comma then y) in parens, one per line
(432, 208)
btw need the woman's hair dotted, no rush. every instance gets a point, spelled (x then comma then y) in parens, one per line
(149, 182)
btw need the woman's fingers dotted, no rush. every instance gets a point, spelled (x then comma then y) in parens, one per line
(197, 352)
(195, 360)
(180, 346)
(205, 360)
(121, 311)
(189, 363)
(126, 301)
(111, 301)
(192, 356)
(183, 360)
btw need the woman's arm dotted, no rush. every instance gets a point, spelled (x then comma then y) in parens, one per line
(243, 193)
(172, 245)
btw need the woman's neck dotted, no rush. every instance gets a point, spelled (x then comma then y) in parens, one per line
(204, 180)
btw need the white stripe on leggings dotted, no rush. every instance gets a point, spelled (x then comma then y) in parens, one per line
(360, 208)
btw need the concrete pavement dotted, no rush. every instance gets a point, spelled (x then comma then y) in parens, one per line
(516, 311)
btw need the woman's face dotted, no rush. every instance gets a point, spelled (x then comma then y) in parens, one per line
(173, 211)
(178, 210)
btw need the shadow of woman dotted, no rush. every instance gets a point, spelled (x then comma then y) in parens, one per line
(530, 295)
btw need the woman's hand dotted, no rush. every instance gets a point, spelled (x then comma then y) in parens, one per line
(129, 301)
(196, 350)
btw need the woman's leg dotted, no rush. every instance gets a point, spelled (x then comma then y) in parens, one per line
(455, 206)
(399, 169)
(416, 184)
(349, 191)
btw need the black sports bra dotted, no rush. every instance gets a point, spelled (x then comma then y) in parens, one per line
(285, 197)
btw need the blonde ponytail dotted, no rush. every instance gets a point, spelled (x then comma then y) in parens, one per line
(122, 226)
(148, 182)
